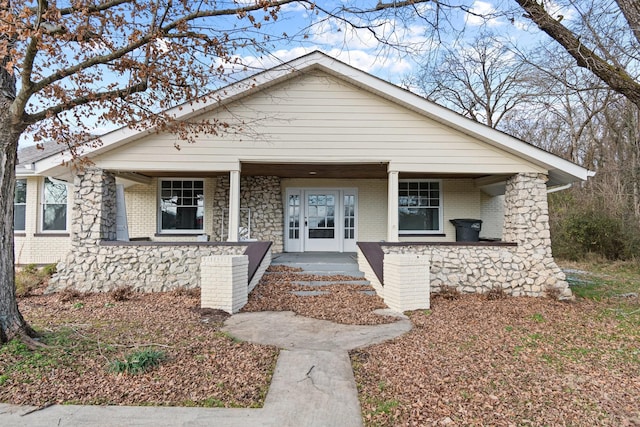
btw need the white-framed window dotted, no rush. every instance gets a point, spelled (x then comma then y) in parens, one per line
(181, 207)
(420, 206)
(54, 206)
(20, 205)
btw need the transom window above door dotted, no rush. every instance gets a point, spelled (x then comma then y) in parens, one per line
(181, 207)
(419, 206)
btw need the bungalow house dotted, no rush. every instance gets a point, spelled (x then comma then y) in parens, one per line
(328, 158)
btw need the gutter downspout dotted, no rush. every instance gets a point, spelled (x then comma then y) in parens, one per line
(559, 188)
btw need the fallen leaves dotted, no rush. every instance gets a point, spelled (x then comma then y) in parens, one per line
(471, 361)
(338, 302)
(203, 366)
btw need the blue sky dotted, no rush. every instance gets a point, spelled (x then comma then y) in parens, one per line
(360, 48)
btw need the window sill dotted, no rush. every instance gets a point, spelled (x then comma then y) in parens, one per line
(19, 234)
(421, 235)
(51, 235)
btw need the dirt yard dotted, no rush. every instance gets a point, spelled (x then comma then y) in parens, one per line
(468, 361)
(508, 362)
(87, 333)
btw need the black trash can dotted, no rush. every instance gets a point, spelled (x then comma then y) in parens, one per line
(467, 230)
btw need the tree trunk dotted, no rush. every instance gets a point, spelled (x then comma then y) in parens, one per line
(631, 11)
(12, 324)
(615, 77)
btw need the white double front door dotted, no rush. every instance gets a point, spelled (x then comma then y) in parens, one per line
(320, 220)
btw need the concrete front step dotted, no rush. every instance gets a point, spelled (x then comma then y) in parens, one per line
(308, 267)
(317, 283)
(350, 273)
(370, 292)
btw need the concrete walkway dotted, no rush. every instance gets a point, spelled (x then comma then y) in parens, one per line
(313, 384)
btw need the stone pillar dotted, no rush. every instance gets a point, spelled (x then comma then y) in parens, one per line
(93, 219)
(406, 282)
(392, 207)
(234, 205)
(224, 281)
(262, 195)
(94, 208)
(526, 222)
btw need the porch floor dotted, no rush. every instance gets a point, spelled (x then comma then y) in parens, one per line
(320, 263)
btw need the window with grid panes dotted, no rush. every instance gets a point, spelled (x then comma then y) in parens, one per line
(419, 205)
(181, 205)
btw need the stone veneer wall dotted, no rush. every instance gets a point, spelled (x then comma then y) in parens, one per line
(527, 268)
(262, 195)
(97, 263)
(145, 266)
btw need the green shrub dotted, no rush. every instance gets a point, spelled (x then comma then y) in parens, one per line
(30, 277)
(137, 362)
(592, 232)
(30, 269)
(26, 282)
(49, 270)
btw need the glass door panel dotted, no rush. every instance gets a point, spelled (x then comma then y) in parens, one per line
(320, 218)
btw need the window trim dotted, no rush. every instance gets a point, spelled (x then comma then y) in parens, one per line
(180, 232)
(26, 195)
(434, 233)
(43, 203)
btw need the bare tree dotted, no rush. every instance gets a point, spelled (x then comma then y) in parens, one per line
(116, 60)
(588, 38)
(483, 80)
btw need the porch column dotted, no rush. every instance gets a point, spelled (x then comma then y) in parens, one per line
(392, 210)
(234, 205)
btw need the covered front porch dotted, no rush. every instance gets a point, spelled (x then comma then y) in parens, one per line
(518, 260)
(313, 207)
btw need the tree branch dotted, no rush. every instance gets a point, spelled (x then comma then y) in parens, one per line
(616, 77)
(149, 37)
(83, 100)
(631, 11)
(94, 8)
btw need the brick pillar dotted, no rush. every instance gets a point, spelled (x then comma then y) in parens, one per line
(406, 282)
(224, 282)
(526, 222)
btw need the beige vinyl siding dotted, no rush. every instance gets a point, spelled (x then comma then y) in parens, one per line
(318, 118)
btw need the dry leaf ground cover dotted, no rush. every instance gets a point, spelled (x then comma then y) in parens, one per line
(338, 302)
(86, 333)
(511, 362)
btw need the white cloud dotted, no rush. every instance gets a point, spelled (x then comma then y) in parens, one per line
(483, 13)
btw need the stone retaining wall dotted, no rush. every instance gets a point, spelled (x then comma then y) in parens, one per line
(478, 269)
(150, 267)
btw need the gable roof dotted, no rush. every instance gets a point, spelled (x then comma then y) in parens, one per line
(560, 170)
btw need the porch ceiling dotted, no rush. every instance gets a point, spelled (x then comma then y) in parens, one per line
(314, 170)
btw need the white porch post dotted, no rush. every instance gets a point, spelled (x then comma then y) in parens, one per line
(234, 205)
(392, 210)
